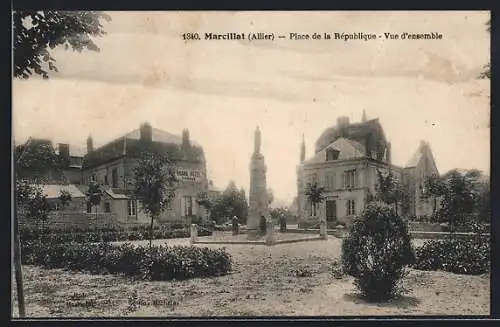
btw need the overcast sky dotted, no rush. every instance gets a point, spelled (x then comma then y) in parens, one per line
(222, 90)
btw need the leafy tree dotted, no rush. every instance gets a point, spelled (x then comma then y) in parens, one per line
(282, 214)
(155, 184)
(33, 203)
(231, 203)
(390, 190)
(36, 32)
(37, 160)
(315, 194)
(94, 195)
(487, 72)
(461, 193)
(204, 200)
(376, 252)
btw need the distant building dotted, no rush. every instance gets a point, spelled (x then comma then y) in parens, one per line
(346, 160)
(112, 164)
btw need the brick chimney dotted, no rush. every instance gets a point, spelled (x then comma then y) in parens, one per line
(342, 124)
(64, 152)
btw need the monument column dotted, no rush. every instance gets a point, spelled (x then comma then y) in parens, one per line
(258, 201)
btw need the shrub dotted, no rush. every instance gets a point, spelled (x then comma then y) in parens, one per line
(155, 263)
(376, 252)
(460, 256)
(108, 235)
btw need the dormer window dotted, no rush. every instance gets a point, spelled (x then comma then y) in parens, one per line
(332, 154)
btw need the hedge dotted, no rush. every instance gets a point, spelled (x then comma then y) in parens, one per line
(109, 235)
(460, 256)
(156, 263)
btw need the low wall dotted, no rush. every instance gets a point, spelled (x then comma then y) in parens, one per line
(415, 226)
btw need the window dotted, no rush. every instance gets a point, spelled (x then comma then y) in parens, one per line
(188, 206)
(350, 208)
(106, 179)
(114, 178)
(314, 178)
(330, 182)
(313, 208)
(350, 179)
(434, 205)
(332, 154)
(107, 207)
(132, 207)
(92, 178)
(89, 207)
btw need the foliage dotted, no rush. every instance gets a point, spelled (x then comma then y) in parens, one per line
(204, 200)
(463, 195)
(376, 252)
(28, 234)
(33, 204)
(35, 32)
(282, 215)
(461, 256)
(153, 263)
(232, 202)
(316, 194)
(303, 271)
(37, 160)
(94, 194)
(486, 74)
(390, 190)
(155, 183)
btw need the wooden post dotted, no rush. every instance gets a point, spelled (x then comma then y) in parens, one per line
(270, 237)
(194, 234)
(322, 229)
(17, 262)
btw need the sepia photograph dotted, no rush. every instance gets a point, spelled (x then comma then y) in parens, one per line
(250, 164)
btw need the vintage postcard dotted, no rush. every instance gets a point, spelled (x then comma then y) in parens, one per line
(248, 164)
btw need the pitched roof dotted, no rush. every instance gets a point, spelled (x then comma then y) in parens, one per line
(423, 153)
(158, 136)
(52, 191)
(348, 149)
(116, 196)
(355, 131)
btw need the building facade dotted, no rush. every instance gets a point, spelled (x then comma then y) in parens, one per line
(112, 165)
(346, 163)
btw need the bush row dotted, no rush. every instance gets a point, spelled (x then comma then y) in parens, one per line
(27, 235)
(156, 263)
(460, 256)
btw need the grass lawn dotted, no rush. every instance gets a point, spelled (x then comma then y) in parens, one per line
(262, 283)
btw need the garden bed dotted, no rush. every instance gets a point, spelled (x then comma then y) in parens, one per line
(262, 284)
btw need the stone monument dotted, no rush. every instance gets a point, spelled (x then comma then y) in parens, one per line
(258, 197)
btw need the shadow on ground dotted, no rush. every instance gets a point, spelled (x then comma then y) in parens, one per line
(399, 302)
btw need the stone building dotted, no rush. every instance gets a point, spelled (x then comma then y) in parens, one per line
(112, 164)
(346, 161)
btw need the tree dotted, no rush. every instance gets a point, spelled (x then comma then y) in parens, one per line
(390, 190)
(204, 200)
(487, 72)
(232, 202)
(35, 32)
(155, 184)
(462, 193)
(94, 195)
(316, 195)
(38, 161)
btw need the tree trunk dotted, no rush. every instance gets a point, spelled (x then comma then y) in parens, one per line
(151, 233)
(18, 266)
